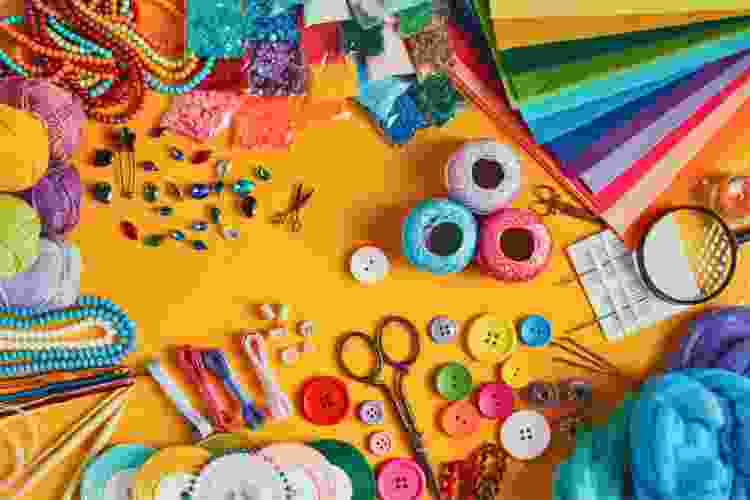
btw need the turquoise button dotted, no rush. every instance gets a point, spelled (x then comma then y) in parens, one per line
(536, 331)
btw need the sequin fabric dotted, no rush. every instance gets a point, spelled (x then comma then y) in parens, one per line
(216, 28)
(201, 115)
(430, 49)
(437, 98)
(264, 123)
(279, 28)
(278, 70)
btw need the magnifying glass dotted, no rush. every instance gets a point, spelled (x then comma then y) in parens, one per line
(688, 255)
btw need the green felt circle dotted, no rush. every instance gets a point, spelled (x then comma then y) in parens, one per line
(353, 462)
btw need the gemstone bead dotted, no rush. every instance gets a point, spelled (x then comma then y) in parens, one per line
(230, 233)
(201, 156)
(151, 192)
(103, 192)
(263, 173)
(177, 235)
(243, 187)
(130, 230)
(149, 166)
(103, 157)
(156, 132)
(215, 215)
(153, 240)
(223, 167)
(199, 226)
(249, 206)
(176, 154)
(219, 187)
(200, 191)
(174, 191)
(126, 137)
(166, 211)
(200, 245)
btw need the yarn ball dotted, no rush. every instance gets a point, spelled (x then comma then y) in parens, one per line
(716, 339)
(59, 109)
(24, 149)
(689, 437)
(52, 282)
(57, 199)
(20, 230)
(440, 236)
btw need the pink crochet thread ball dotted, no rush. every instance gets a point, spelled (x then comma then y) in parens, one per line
(57, 199)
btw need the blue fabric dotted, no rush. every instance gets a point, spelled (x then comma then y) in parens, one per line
(690, 437)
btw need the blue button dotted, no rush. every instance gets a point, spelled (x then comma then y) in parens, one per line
(536, 331)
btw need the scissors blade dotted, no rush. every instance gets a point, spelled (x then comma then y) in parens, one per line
(420, 456)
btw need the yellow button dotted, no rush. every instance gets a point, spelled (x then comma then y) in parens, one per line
(515, 372)
(491, 339)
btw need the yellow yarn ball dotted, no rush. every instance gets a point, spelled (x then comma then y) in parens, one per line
(24, 149)
(20, 228)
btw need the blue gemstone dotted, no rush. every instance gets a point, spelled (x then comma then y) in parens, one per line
(200, 191)
(199, 226)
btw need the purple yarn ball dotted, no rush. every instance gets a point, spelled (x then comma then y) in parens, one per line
(57, 199)
(59, 109)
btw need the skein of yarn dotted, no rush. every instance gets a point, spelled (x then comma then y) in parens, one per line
(59, 109)
(57, 199)
(24, 149)
(52, 282)
(20, 230)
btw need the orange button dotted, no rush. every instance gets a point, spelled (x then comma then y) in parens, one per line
(460, 419)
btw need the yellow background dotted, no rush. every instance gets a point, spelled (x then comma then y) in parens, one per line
(363, 189)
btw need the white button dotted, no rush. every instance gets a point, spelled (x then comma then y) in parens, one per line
(525, 435)
(369, 265)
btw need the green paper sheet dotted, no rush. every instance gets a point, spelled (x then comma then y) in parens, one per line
(532, 73)
(519, 9)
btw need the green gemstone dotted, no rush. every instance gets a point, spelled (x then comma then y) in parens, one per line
(215, 215)
(153, 240)
(151, 192)
(263, 173)
(243, 187)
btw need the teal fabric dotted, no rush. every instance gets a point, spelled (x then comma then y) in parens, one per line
(598, 468)
(690, 437)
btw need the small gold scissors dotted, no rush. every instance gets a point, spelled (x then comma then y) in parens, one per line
(291, 215)
(549, 202)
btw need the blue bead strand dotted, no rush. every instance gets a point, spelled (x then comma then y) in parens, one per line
(33, 362)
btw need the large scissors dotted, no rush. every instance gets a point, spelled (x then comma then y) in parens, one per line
(396, 394)
(549, 202)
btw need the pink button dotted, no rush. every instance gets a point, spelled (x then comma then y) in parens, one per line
(496, 401)
(401, 479)
(380, 443)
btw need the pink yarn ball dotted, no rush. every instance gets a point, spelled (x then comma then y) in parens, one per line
(514, 245)
(59, 109)
(57, 199)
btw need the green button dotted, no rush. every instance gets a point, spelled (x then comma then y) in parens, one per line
(454, 382)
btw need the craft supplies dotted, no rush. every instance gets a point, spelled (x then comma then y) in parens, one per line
(283, 313)
(587, 359)
(19, 236)
(166, 211)
(278, 69)
(153, 240)
(126, 169)
(353, 463)
(380, 443)
(149, 167)
(525, 435)
(306, 328)
(515, 372)
(199, 226)
(249, 206)
(202, 427)
(130, 230)
(369, 265)
(240, 473)
(168, 472)
(52, 282)
(30, 166)
(103, 158)
(514, 245)
(264, 124)
(440, 236)
(395, 395)
(151, 192)
(215, 215)
(57, 199)
(200, 191)
(453, 381)
(175, 153)
(263, 173)
(267, 312)
(484, 175)
(401, 479)
(495, 401)
(290, 355)
(112, 474)
(371, 412)
(567, 392)
(460, 419)
(535, 331)
(325, 400)
(200, 156)
(103, 192)
(177, 235)
(729, 195)
(549, 202)
(277, 401)
(491, 339)
(430, 48)
(216, 361)
(292, 215)
(442, 329)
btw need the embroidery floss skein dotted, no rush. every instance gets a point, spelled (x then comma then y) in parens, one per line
(277, 401)
(57, 199)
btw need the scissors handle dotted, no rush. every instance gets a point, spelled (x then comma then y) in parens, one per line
(374, 376)
(401, 365)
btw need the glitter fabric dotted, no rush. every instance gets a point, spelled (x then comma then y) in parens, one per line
(364, 42)
(430, 50)
(321, 44)
(216, 28)
(201, 115)
(279, 28)
(230, 74)
(437, 98)
(264, 123)
(278, 70)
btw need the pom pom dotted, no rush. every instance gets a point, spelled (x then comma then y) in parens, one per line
(59, 109)
(52, 282)
(19, 236)
(24, 150)
(57, 199)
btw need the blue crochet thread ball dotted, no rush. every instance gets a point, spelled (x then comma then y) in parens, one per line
(440, 236)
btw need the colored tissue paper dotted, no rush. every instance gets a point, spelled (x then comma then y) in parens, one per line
(278, 69)
(230, 74)
(264, 123)
(322, 44)
(363, 42)
(368, 13)
(394, 61)
(336, 81)
(216, 29)
(326, 11)
(201, 114)
(430, 50)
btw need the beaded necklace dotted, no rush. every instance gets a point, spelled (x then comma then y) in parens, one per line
(31, 344)
(94, 49)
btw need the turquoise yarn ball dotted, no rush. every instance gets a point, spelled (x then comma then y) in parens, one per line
(440, 236)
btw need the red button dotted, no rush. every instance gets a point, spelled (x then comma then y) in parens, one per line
(495, 401)
(325, 400)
